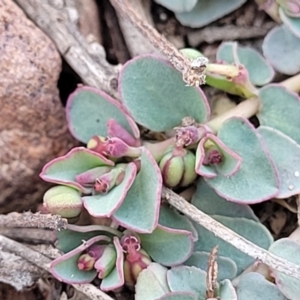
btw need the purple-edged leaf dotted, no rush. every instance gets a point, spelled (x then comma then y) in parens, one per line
(156, 96)
(88, 111)
(260, 71)
(227, 291)
(226, 267)
(152, 283)
(178, 296)
(168, 246)
(249, 229)
(257, 169)
(169, 217)
(72, 237)
(208, 201)
(280, 109)
(104, 205)
(140, 208)
(187, 279)
(292, 23)
(289, 250)
(65, 267)
(278, 42)
(230, 164)
(63, 170)
(255, 286)
(285, 153)
(178, 5)
(206, 12)
(116, 278)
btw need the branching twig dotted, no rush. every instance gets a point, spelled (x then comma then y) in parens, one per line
(43, 262)
(33, 220)
(192, 71)
(87, 60)
(230, 236)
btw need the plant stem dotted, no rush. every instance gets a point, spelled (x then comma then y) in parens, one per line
(292, 83)
(245, 109)
(230, 236)
(226, 70)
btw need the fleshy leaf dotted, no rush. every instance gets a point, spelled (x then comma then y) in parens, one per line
(278, 42)
(257, 170)
(230, 164)
(260, 71)
(168, 217)
(226, 267)
(280, 109)
(157, 97)
(88, 111)
(206, 12)
(227, 291)
(72, 237)
(140, 208)
(63, 169)
(251, 230)
(255, 286)
(289, 250)
(104, 205)
(187, 279)
(116, 278)
(152, 283)
(285, 153)
(208, 201)
(65, 267)
(292, 23)
(168, 246)
(178, 5)
(178, 296)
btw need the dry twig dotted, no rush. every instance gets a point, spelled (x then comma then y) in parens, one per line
(230, 236)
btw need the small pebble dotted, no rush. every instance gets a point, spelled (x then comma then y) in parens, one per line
(291, 187)
(297, 173)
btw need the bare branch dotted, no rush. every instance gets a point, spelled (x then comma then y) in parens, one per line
(33, 220)
(87, 60)
(230, 236)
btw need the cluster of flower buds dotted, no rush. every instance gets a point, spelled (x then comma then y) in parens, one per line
(136, 258)
(178, 167)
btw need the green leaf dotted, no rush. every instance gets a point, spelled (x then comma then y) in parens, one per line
(206, 12)
(255, 286)
(157, 97)
(72, 237)
(289, 250)
(226, 267)
(256, 170)
(251, 230)
(88, 111)
(280, 109)
(260, 71)
(169, 217)
(140, 208)
(65, 267)
(292, 23)
(152, 283)
(278, 42)
(188, 279)
(227, 291)
(208, 201)
(285, 153)
(62, 170)
(168, 246)
(104, 205)
(115, 279)
(178, 5)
